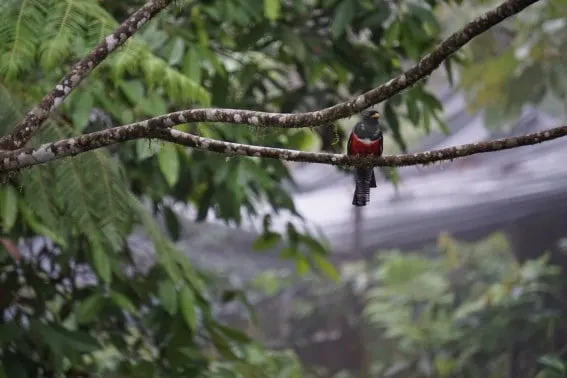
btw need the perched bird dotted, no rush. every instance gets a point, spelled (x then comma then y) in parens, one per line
(365, 140)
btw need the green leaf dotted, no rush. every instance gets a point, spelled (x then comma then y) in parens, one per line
(343, 15)
(172, 223)
(82, 107)
(146, 149)
(267, 240)
(233, 333)
(301, 265)
(413, 110)
(134, 90)
(272, 9)
(177, 51)
(192, 64)
(314, 246)
(39, 228)
(101, 263)
(79, 341)
(123, 302)
(553, 363)
(168, 159)
(326, 267)
(187, 303)
(89, 308)
(9, 208)
(394, 124)
(13, 367)
(58, 338)
(168, 296)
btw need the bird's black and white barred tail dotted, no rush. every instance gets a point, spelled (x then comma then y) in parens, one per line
(363, 179)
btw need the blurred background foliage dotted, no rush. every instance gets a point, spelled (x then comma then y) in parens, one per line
(80, 295)
(521, 61)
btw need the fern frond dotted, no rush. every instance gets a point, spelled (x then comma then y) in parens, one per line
(10, 109)
(19, 35)
(38, 183)
(85, 194)
(179, 87)
(65, 24)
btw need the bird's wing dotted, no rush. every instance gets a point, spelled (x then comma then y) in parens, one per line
(349, 144)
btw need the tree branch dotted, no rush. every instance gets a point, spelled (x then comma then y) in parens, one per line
(159, 127)
(31, 122)
(33, 119)
(26, 157)
(423, 68)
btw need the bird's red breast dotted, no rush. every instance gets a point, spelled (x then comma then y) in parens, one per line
(357, 146)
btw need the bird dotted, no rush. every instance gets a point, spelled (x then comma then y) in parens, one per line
(365, 139)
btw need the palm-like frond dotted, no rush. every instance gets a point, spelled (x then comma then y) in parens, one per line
(65, 25)
(20, 34)
(85, 194)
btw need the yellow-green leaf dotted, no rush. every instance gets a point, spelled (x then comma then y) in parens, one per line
(301, 265)
(326, 267)
(272, 9)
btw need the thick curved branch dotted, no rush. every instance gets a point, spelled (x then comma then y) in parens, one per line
(33, 119)
(26, 128)
(423, 68)
(26, 157)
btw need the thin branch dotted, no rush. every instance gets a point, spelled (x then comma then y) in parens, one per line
(26, 157)
(33, 119)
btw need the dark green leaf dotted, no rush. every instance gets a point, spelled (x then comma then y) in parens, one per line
(343, 15)
(13, 367)
(123, 302)
(101, 263)
(172, 223)
(89, 308)
(233, 333)
(188, 309)
(413, 110)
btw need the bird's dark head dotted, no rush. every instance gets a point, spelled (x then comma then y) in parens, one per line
(370, 117)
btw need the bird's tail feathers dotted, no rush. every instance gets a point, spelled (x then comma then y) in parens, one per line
(373, 180)
(363, 179)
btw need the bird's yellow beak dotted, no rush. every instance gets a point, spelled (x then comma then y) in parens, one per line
(375, 115)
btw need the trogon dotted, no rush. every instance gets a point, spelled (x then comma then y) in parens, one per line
(365, 140)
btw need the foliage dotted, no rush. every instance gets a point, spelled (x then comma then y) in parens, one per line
(472, 311)
(100, 287)
(522, 61)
